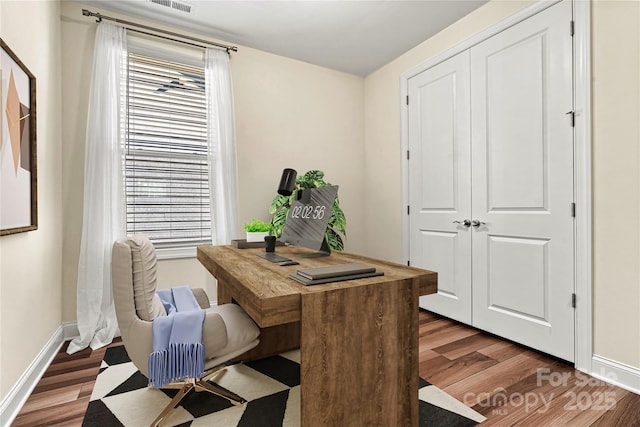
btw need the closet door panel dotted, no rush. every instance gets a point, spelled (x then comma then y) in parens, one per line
(522, 155)
(515, 100)
(439, 183)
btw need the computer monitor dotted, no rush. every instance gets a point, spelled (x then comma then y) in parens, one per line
(308, 218)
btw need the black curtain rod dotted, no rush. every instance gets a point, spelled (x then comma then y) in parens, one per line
(127, 24)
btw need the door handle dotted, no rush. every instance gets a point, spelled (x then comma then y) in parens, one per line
(477, 223)
(465, 222)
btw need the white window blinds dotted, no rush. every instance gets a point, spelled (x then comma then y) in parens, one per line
(166, 170)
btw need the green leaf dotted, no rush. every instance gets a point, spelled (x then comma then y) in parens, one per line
(277, 203)
(337, 219)
(256, 226)
(334, 240)
(278, 220)
(311, 179)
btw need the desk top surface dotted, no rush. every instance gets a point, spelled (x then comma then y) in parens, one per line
(266, 292)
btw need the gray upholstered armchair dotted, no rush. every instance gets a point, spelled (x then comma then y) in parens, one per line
(227, 332)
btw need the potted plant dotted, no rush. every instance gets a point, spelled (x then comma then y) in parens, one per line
(279, 210)
(256, 230)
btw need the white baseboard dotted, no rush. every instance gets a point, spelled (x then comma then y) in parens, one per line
(18, 395)
(616, 373)
(70, 331)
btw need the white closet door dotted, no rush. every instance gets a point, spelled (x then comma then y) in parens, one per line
(522, 154)
(439, 183)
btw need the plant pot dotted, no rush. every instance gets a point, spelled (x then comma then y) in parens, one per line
(255, 236)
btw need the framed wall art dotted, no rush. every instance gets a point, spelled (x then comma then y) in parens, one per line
(18, 171)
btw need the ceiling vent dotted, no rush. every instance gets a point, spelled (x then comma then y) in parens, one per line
(174, 4)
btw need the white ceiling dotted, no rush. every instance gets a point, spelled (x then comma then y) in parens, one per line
(356, 37)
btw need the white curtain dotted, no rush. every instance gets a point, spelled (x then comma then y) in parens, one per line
(222, 151)
(103, 219)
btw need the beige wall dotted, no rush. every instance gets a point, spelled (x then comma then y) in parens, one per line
(293, 114)
(616, 156)
(30, 277)
(616, 179)
(382, 163)
(287, 114)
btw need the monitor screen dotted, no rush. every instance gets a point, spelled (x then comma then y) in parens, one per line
(308, 217)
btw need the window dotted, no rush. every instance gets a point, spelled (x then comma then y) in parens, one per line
(166, 168)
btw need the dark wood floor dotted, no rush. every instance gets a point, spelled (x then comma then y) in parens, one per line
(514, 386)
(508, 384)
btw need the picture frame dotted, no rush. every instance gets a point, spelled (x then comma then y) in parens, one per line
(18, 154)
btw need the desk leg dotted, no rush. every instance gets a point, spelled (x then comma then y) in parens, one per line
(359, 356)
(224, 296)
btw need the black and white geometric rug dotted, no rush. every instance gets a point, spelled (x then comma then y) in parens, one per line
(271, 386)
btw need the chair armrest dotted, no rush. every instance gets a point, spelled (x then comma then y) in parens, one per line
(201, 297)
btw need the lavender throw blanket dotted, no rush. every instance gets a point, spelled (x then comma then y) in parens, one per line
(178, 352)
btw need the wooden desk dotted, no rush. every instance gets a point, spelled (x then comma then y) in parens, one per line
(358, 339)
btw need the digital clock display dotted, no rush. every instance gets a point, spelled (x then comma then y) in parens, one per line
(308, 217)
(308, 212)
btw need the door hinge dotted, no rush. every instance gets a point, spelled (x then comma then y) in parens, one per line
(573, 210)
(408, 210)
(572, 28)
(573, 118)
(408, 263)
(407, 154)
(407, 99)
(573, 300)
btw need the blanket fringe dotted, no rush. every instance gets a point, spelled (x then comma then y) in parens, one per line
(177, 363)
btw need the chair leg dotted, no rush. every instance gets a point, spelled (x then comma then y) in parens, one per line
(201, 385)
(218, 391)
(213, 372)
(204, 385)
(186, 388)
